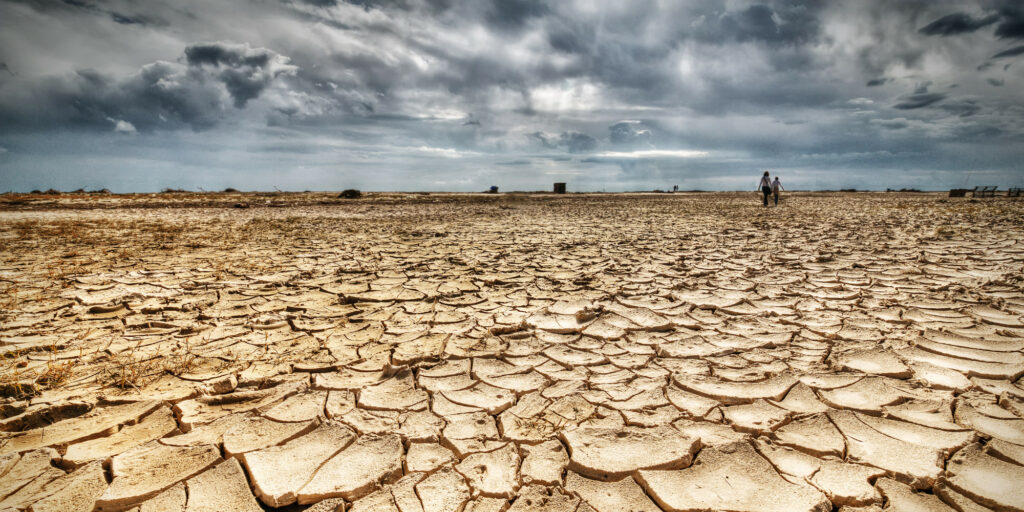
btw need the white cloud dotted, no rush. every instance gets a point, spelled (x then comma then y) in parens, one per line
(122, 126)
(654, 153)
(442, 152)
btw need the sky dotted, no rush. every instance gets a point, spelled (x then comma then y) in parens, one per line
(461, 95)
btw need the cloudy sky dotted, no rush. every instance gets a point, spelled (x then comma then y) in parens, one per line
(459, 95)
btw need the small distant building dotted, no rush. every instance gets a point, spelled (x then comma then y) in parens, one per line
(560, 188)
(493, 190)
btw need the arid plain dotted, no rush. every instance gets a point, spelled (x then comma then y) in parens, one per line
(411, 352)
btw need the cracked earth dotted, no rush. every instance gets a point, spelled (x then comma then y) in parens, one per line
(574, 353)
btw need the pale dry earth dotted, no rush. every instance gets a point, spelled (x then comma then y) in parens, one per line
(457, 352)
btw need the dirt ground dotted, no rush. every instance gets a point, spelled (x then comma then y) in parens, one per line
(445, 352)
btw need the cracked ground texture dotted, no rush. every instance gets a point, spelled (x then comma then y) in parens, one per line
(524, 352)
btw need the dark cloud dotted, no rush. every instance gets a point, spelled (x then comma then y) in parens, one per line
(782, 23)
(956, 23)
(544, 140)
(630, 133)
(577, 142)
(244, 71)
(961, 107)
(919, 100)
(161, 95)
(98, 9)
(569, 37)
(875, 82)
(1012, 52)
(433, 6)
(893, 124)
(231, 55)
(514, 13)
(1012, 26)
(995, 82)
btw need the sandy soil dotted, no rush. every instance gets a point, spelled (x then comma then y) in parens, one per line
(525, 352)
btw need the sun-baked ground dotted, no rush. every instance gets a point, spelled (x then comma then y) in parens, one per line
(525, 352)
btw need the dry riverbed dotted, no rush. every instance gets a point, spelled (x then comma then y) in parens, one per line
(411, 352)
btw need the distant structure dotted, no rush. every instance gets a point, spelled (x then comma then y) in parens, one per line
(560, 188)
(493, 190)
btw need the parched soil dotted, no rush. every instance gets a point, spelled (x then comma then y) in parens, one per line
(445, 352)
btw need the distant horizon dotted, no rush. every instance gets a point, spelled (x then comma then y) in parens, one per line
(485, 192)
(455, 95)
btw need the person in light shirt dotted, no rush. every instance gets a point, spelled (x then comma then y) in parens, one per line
(776, 187)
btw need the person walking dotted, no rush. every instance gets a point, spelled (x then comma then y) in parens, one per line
(776, 187)
(766, 187)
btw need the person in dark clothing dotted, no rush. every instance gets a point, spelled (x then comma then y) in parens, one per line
(766, 187)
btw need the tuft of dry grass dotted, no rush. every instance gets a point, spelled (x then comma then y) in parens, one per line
(56, 372)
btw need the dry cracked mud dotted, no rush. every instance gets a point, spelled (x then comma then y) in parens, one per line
(405, 352)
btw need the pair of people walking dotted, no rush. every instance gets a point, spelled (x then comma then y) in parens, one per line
(769, 187)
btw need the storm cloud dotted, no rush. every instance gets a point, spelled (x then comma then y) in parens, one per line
(957, 23)
(446, 94)
(161, 94)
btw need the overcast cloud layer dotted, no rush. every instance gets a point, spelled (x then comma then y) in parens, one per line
(464, 94)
